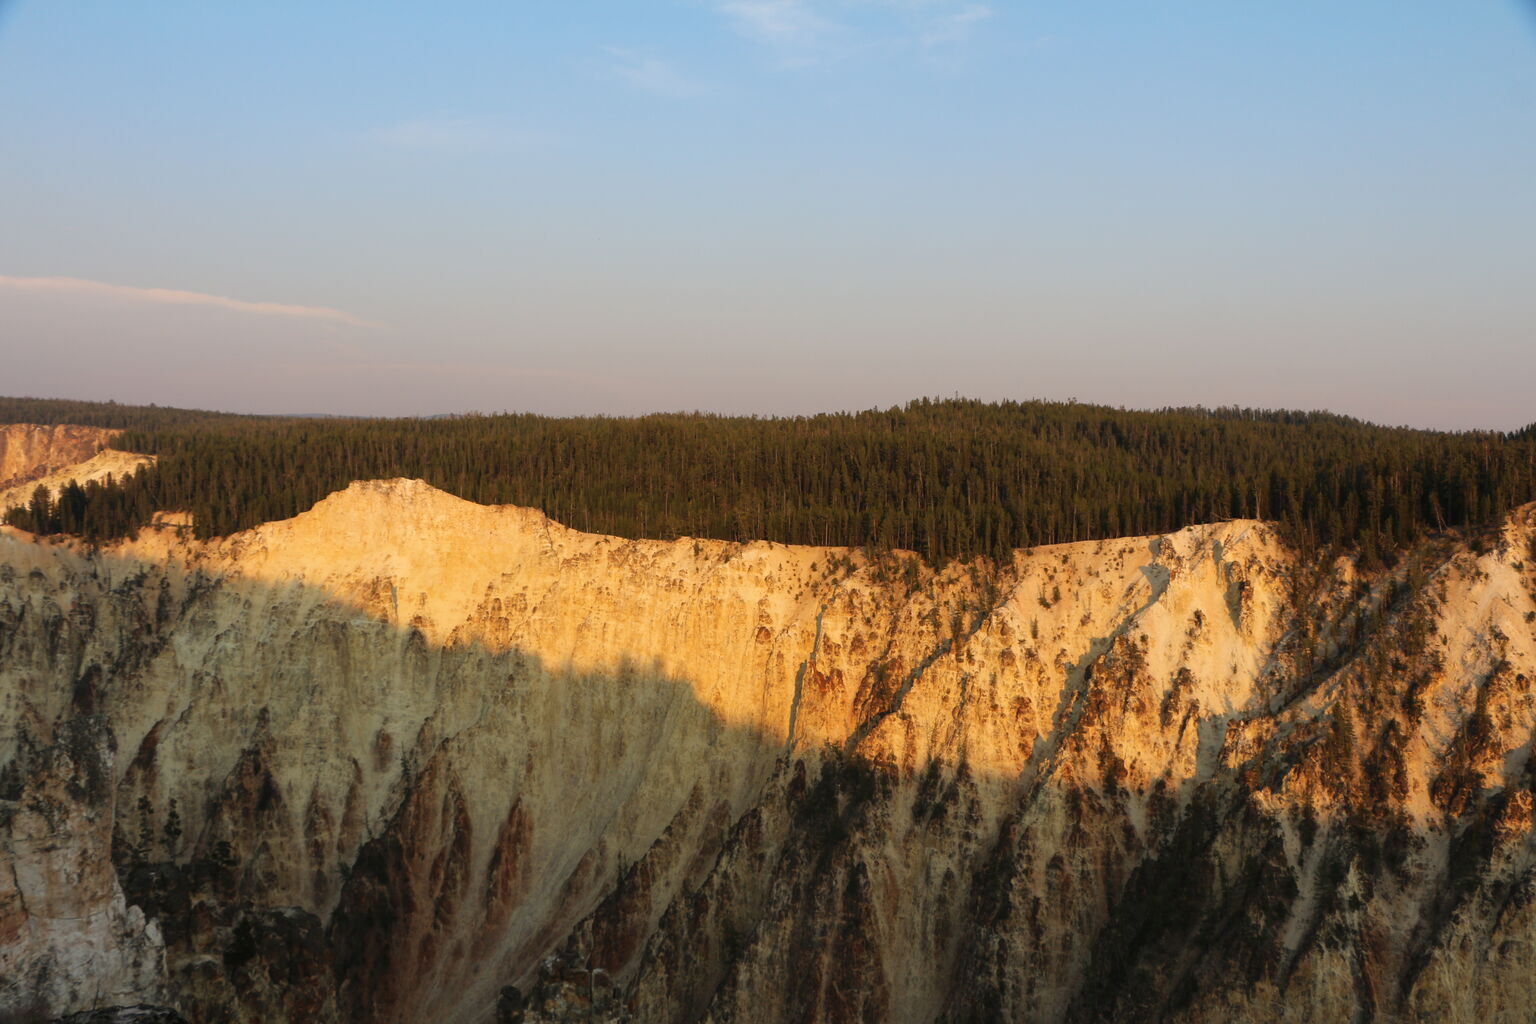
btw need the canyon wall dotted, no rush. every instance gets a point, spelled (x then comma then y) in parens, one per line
(32, 455)
(31, 450)
(408, 758)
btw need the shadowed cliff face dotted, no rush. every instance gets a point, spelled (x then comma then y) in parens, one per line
(421, 750)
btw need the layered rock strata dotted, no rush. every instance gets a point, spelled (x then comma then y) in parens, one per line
(407, 758)
(33, 456)
(31, 450)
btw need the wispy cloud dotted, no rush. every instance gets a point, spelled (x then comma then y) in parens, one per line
(174, 297)
(451, 134)
(653, 75)
(781, 22)
(955, 26)
(815, 31)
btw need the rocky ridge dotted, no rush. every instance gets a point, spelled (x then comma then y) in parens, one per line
(404, 757)
(107, 463)
(30, 450)
(52, 456)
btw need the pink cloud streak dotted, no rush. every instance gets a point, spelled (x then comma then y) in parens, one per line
(174, 297)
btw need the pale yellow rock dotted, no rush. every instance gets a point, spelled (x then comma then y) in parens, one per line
(513, 711)
(107, 463)
(31, 450)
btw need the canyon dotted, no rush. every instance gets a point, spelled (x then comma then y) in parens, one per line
(406, 758)
(32, 450)
(33, 455)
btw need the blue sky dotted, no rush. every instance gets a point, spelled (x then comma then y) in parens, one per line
(771, 206)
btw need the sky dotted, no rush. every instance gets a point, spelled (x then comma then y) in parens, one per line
(771, 206)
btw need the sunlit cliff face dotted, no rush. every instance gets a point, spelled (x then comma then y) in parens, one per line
(29, 451)
(421, 750)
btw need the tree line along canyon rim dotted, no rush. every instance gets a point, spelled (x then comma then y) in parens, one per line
(511, 719)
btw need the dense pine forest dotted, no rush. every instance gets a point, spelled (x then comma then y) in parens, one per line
(947, 478)
(116, 417)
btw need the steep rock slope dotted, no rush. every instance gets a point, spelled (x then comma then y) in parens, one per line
(29, 450)
(404, 758)
(106, 463)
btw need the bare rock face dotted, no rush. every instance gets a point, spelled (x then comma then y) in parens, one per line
(107, 463)
(67, 937)
(408, 758)
(29, 450)
(33, 456)
(141, 1014)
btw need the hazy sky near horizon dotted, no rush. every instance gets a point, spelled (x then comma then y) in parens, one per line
(771, 206)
